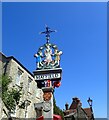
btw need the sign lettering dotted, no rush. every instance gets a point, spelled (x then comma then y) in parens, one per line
(47, 76)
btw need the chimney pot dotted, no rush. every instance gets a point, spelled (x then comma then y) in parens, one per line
(66, 106)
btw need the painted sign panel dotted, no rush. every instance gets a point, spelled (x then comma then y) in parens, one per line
(48, 76)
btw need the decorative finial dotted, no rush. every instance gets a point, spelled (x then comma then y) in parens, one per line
(48, 55)
(47, 32)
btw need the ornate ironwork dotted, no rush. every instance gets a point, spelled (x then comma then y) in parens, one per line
(47, 32)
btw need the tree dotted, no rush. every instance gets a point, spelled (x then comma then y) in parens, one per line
(57, 110)
(10, 96)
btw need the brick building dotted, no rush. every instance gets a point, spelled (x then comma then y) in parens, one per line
(76, 112)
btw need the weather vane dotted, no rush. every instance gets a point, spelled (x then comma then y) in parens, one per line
(47, 32)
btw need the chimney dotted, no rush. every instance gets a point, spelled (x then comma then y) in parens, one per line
(66, 106)
(76, 100)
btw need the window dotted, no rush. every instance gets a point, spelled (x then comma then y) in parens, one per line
(18, 78)
(26, 112)
(13, 114)
(29, 84)
(27, 103)
(39, 94)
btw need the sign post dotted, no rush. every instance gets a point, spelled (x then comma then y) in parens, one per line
(48, 73)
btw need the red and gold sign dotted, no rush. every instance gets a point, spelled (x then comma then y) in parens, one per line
(47, 96)
(57, 84)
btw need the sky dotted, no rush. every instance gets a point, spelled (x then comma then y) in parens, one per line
(81, 35)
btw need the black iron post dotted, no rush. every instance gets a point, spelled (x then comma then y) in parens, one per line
(90, 104)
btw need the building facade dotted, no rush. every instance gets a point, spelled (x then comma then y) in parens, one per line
(76, 112)
(31, 94)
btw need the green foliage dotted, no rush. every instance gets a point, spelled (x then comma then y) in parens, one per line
(10, 96)
(4, 82)
(8, 101)
(57, 110)
(16, 94)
